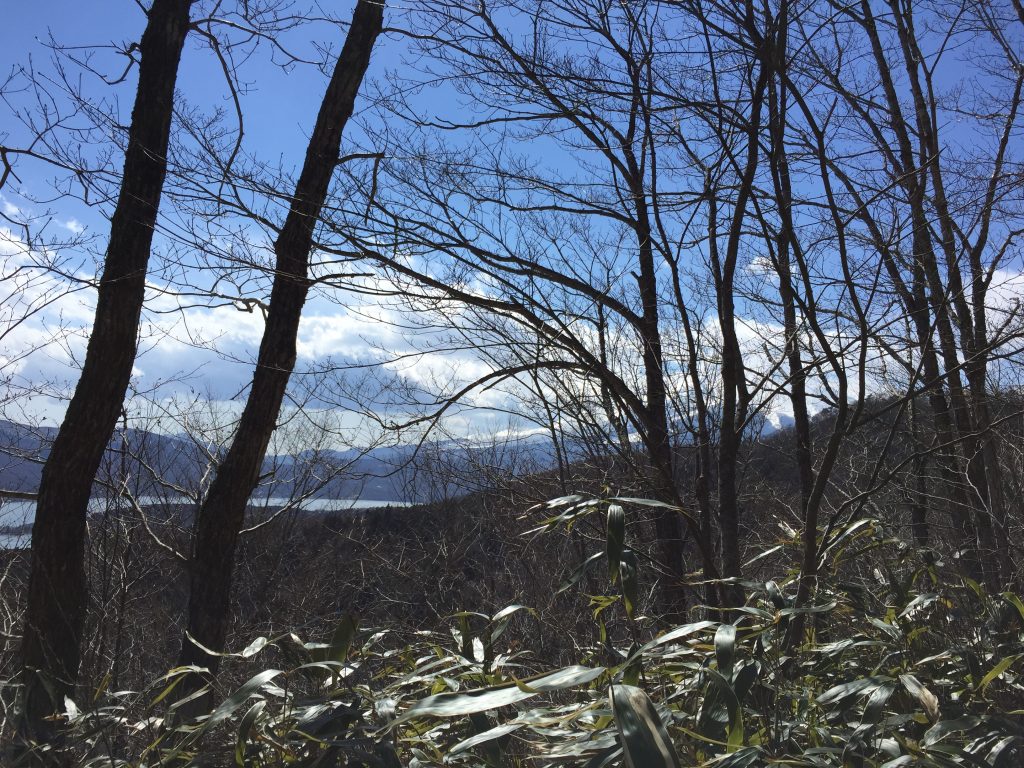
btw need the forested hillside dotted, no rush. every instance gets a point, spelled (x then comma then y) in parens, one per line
(512, 383)
(173, 467)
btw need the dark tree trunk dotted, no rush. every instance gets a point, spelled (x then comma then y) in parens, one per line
(919, 494)
(51, 647)
(788, 248)
(667, 523)
(948, 415)
(734, 388)
(950, 303)
(702, 528)
(222, 513)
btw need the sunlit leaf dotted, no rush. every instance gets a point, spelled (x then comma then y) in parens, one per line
(838, 693)
(493, 733)
(239, 697)
(725, 648)
(254, 647)
(616, 537)
(928, 700)
(245, 728)
(484, 699)
(644, 738)
(945, 727)
(1003, 665)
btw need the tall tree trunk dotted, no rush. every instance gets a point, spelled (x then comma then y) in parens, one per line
(702, 467)
(803, 449)
(667, 523)
(951, 304)
(734, 387)
(947, 456)
(51, 646)
(223, 511)
(949, 415)
(919, 493)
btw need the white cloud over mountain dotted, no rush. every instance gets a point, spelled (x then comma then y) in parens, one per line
(207, 350)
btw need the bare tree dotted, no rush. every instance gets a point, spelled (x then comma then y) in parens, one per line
(56, 594)
(221, 516)
(940, 218)
(628, 257)
(592, 256)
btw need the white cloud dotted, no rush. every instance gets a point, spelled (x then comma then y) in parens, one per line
(210, 350)
(1005, 292)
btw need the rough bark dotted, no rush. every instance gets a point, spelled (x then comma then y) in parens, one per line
(223, 511)
(734, 395)
(927, 291)
(919, 493)
(51, 646)
(667, 523)
(787, 249)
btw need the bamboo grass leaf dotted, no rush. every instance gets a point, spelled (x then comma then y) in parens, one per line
(644, 738)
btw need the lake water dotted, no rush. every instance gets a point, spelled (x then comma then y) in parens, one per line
(17, 512)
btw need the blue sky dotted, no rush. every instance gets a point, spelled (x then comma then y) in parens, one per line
(213, 346)
(279, 103)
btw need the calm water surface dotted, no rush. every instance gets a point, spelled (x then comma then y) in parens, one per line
(17, 512)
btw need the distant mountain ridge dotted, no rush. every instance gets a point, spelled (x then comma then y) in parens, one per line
(397, 474)
(388, 474)
(374, 475)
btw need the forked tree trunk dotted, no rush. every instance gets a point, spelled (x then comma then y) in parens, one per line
(926, 282)
(223, 511)
(787, 249)
(734, 397)
(667, 524)
(51, 644)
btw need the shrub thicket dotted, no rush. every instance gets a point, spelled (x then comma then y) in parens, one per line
(895, 667)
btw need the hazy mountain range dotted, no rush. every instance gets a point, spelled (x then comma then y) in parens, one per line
(406, 473)
(157, 463)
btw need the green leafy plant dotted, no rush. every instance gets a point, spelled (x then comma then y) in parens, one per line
(896, 669)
